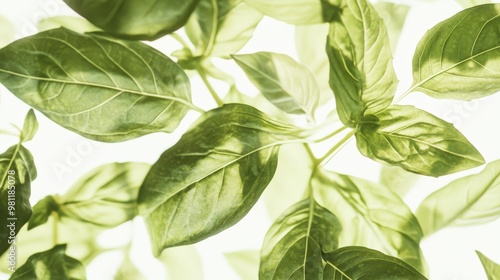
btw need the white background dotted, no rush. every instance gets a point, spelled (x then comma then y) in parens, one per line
(450, 252)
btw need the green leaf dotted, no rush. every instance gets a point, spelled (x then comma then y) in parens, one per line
(212, 177)
(294, 244)
(397, 179)
(30, 126)
(135, 19)
(221, 27)
(76, 24)
(17, 171)
(42, 211)
(7, 32)
(471, 3)
(470, 200)
(361, 72)
(371, 216)
(244, 263)
(182, 263)
(492, 269)
(460, 57)
(296, 11)
(51, 264)
(106, 196)
(417, 141)
(289, 85)
(128, 270)
(361, 263)
(394, 15)
(99, 87)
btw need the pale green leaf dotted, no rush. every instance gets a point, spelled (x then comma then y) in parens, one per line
(102, 88)
(361, 72)
(294, 244)
(394, 16)
(30, 126)
(51, 264)
(135, 19)
(397, 179)
(417, 141)
(289, 85)
(361, 263)
(371, 215)
(244, 263)
(76, 24)
(221, 27)
(182, 263)
(17, 171)
(460, 57)
(212, 177)
(297, 11)
(6, 32)
(492, 269)
(128, 270)
(471, 3)
(106, 196)
(470, 200)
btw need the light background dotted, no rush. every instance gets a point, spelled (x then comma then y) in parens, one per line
(450, 252)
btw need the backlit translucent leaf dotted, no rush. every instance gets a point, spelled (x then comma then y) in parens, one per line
(42, 211)
(244, 263)
(17, 171)
(492, 269)
(182, 263)
(135, 19)
(397, 179)
(288, 84)
(361, 72)
(212, 177)
(460, 57)
(30, 126)
(294, 244)
(297, 11)
(101, 88)
(394, 15)
(471, 3)
(361, 263)
(51, 264)
(76, 24)
(221, 27)
(128, 270)
(473, 199)
(417, 141)
(6, 31)
(371, 215)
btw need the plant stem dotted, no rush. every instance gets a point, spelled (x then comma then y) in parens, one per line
(179, 39)
(324, 160)
(55, 228)
(204, 77)
(330, 135)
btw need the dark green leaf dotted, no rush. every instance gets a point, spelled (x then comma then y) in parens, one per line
(135, 19)
(366, 264)
(221, 27)
(294, 244)
(492, 269)
(289, 85)
(296, 11)
(466, 201)
(106, 196)
(417, 141)
(17, 171)
(212, 177)
(101, 88)
(361, 72)
(51, 264)
(76, 24)
(30, 126)
(42, 211)
(460, 57)
(371, 215)
(244, 263)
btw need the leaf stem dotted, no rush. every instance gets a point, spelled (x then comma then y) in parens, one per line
(330, 135)
(204, 77)
(55, 228)
(179, 39)
(324, 159)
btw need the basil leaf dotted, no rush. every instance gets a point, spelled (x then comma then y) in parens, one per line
(361, 263)
(42, 211)
(394, 15)
(294, 244)
(212, 177)
(371, 215)
(221, 27)
(182, 263)
(30, 127)
(128, 270)
(244, 263)
(471, 3)
(361, 72)
(135, 19)
(289, 85)
(7, 34)
(460, 57)
(51, 264)
(492, 269)
(17, 171)
(417, 141)
(469, 200)
(296, 11)
(76, 24)
(101, 88)
(397, 179)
